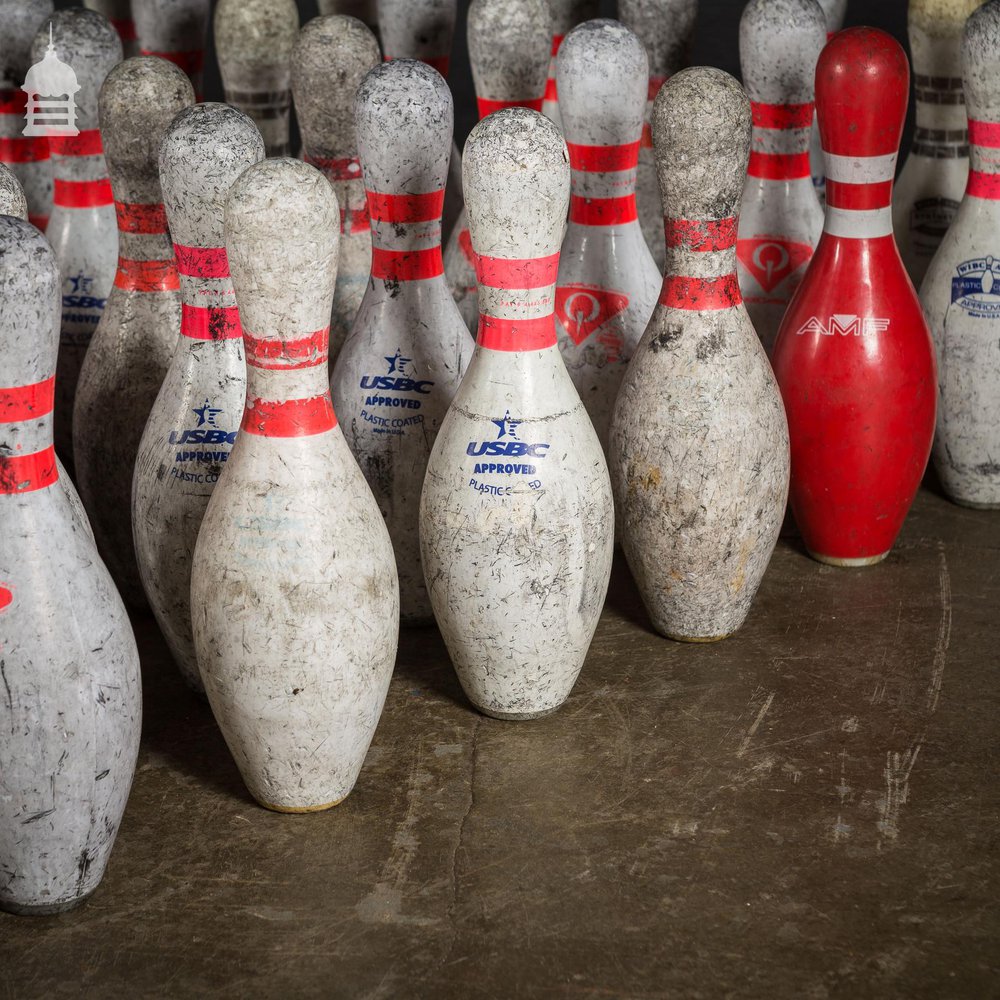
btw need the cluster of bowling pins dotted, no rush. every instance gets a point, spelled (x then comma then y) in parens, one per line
(286, 439)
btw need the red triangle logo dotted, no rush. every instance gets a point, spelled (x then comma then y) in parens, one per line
(582, 309)
(770, 259)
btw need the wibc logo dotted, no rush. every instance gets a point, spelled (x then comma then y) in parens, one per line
(771, 261)
(206, 431)
(507, 443)
(976, 287)
(398, 378)
(844, 325)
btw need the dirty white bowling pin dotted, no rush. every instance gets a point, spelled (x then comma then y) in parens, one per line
(294, 588)
(509, 42)
(82, 227)
(175, 30)
(26, 155)
(781, 218)
(930, 186)
(329, 61)
(424, 30)
(566, 14)
(195, 418)
(119, 13)
(366, 11)
(608, 283)
(135, 339)
(516, 517)
(71, 703)
(253, 42)
(666, 28)
(699, 442)
(834, 11)
(960, 294)
(408, 349)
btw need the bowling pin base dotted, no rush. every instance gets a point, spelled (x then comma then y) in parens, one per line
(43, 909)
(848, 563)
(973, 504)
(517, 716)
(697, 638)
(294, 810)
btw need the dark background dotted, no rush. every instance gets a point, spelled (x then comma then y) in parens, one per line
(716, 44)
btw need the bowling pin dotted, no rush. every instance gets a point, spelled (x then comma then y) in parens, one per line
(780, 217)
(699, 443)
(853, 357)
(119, 13)
(509, 43)
(131, 349)
(195, 418)
(424, 30)
(253, 42)
(366, 11)
(834, 11)
(961, 291)
(608, 283)
(329, 61)
(71, 704)
(516, 516)
(12, 199)
(82, 227)
(294, 583)
(26, 155)
(566, 14)
(932, 180)
(175, 30)
(666, 28)
(409, 347)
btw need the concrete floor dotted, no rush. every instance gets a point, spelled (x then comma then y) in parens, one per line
(809, 809)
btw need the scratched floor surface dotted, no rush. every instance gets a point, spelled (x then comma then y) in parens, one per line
(809, 809)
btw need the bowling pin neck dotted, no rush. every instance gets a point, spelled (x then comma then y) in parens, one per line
(779, 150)
(516, 303)
(344, 175)
(288, 389)
(699, 271)
(418, 29)
(859, 195)
(551, 87)
(208, 302)
(935, 31)
(603, 184)
(145, 253)
(79, 173)
(406, 235)
(646, 143)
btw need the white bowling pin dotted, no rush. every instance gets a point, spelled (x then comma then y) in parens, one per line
(608, 281)
(666, 28)
(294, 588)
(175, 30)
(781, 218)
(82, 227)
(960, 294)
(516, 516)
(566, 15)
(834, 11)
(26, 155)
(70, 701)
(331, 56)
(409, 347)
(119, 13)
(195, 418)
(135, 339)
(925, 198)
(509, 42)
(699, 442)
(253, 42)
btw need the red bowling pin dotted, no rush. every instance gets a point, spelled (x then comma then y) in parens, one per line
(853, 357)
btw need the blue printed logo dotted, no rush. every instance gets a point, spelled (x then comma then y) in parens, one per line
(976, 287)
(398, 379)
(205, 443)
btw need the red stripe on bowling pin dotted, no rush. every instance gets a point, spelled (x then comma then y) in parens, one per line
(680, 292)
(136, 217)
(518, 333)
(202, 262)
(701, 235)
(782, 116)
(26, 473)
(858, 195)
(288, 355)
(146, 275)
(777, 130)
(984, 183)
(23, 149)
(82, 194)
(594, 161)
(289, 417)
(87, 143)
(603, 159)
(502, 272)
(407, 265)
(691, 292)
(210, 322)
(27, 402)
(405, 207)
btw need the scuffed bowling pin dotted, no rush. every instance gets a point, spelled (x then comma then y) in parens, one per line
(608, 282)
(26, 155)
(254, 41)
(12, 199)
(666, 28)
(175, 30)
(780, 217)
(516, 516)
(509, 42)
(834, 11)
(566, 14)
(329, 61)
(82, 227)
(853, 356)
(930, 186)
(135, 339)
(119, 13)
(409, 347)
(195, 418)
(294, 583)
(71, 705)
(699, 443)
(961, 291)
